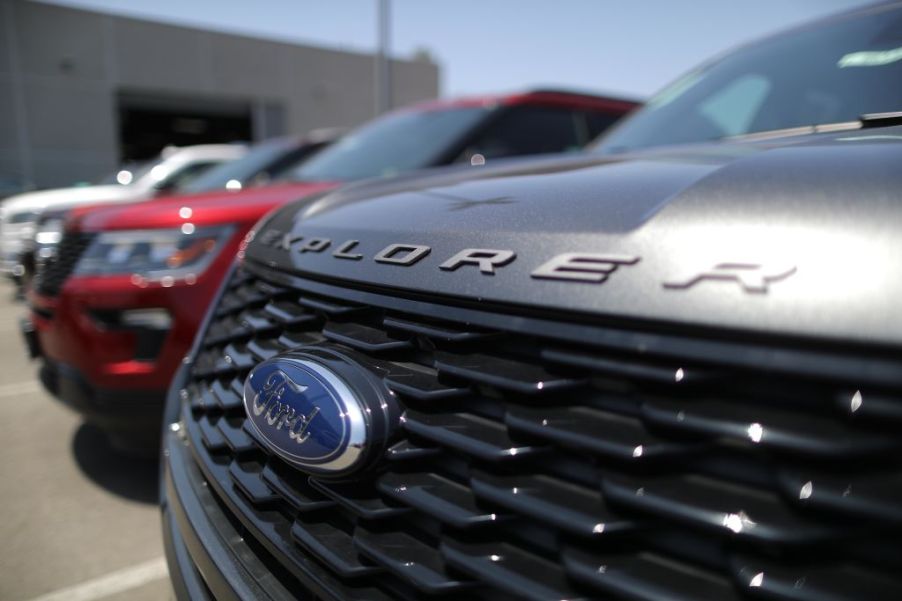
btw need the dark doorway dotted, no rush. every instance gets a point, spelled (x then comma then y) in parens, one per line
(148, 123)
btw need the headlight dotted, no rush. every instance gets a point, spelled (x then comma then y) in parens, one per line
(153, 254)
(49, 232)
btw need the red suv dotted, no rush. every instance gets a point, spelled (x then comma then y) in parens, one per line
(115, 312)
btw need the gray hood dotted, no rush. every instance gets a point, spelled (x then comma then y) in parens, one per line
(793, 236)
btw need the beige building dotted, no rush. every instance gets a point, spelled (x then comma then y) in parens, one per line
(80, 91)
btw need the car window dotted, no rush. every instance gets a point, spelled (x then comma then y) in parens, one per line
(263, 162)
(832, 73)
(400, 141)
(181, 177)
(522, 130)
(734, 107)
(596, 123)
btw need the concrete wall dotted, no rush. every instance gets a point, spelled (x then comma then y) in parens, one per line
(61, 70)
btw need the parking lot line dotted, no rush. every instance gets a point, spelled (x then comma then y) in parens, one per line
(19, 388)
(110, 584)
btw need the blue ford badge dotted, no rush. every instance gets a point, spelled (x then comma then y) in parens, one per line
(306, 413)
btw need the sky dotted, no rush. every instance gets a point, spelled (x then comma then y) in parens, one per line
(628, 47)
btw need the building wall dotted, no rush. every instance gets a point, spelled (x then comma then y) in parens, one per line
(61, 70)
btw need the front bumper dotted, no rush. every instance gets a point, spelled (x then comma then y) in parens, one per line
(131, 417)
(85, 327)
(115, 376)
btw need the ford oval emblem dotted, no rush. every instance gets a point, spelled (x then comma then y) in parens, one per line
(307, 414)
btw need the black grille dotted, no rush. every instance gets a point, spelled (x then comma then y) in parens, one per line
(53, 274)
(641, 466)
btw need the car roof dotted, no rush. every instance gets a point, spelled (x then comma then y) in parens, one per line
(542, 96)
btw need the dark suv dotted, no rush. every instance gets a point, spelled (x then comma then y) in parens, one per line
(671, 370)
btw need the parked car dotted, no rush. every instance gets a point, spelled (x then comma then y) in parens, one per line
(113, 316)
(669, 371)
(173, 168)
(263, 162)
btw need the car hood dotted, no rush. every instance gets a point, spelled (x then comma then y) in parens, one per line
(199, 209)
(796, 236)
(62, 198)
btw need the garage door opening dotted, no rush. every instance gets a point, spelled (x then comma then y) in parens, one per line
(147, 124)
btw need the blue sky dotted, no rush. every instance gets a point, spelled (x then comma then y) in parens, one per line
(630, 47)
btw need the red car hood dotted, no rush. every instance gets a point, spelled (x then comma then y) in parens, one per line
(209, 208)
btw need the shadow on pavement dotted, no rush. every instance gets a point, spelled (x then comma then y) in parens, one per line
(132, 477)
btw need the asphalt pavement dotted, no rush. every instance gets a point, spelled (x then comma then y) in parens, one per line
(79, 521)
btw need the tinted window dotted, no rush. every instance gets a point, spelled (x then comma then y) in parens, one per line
(265, 160)
(829, 73)
(22, 217)
(400, 141)
(599, 122)
(183, 176)
(524, 130)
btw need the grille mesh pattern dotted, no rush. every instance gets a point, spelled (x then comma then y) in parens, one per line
(53, 274)
(527, 467)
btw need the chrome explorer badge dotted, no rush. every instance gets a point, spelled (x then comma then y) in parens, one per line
(306, 413)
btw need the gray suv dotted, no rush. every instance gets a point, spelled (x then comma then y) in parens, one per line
(668, 369)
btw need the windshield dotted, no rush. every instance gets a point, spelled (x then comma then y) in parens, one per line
(828, 73)
(264, 161)
(401, 141)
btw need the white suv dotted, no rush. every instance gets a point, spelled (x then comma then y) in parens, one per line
(174, 167)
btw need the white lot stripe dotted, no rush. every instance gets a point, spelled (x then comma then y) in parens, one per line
(112, 583)
(19, 388)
